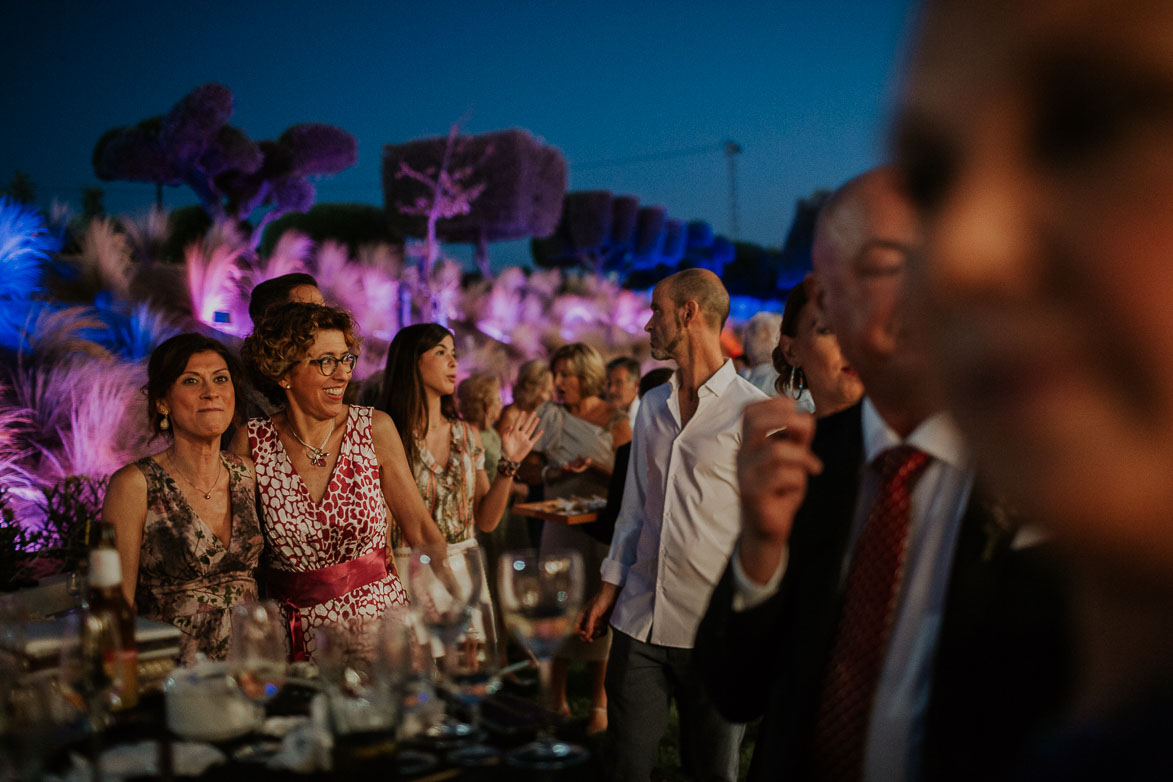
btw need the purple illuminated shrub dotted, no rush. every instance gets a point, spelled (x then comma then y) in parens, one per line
(597, 231)
(188, 129)
(315, 148)
(134, 154)
(493, 187)
(230, 150)
(675, 241)
(232, 175)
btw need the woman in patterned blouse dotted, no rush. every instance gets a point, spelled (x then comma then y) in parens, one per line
(446, 454)
(185, 519)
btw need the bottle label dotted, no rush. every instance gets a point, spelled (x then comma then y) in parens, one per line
(105, 568)
(121, 666)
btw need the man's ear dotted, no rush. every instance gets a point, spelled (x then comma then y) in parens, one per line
(691, 311)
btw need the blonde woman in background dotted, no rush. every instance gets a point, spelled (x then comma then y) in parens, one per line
(580, 435)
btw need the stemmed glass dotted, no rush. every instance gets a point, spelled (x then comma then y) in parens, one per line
(256, 657)
(540, 595)
(446, 588)
(472, 671)
(361, 701)
(403, 659)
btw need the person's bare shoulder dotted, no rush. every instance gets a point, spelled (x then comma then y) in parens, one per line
(129, 480)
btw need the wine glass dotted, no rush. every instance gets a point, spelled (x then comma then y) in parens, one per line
(403, 659)
(256, 656)
(540, 595)
(361, 702)
(445, 586)
(77, 585)
(471, 670)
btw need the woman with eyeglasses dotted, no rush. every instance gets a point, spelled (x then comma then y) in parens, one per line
(327, 473)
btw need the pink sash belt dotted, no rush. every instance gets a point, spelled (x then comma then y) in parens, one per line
(306, 588)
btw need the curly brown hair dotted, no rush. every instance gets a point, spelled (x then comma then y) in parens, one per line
(284, 337)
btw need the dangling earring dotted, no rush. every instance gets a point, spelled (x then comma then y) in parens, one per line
(164, 424)
(797, 382)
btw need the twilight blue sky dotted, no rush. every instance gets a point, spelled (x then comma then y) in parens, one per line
(804, 87)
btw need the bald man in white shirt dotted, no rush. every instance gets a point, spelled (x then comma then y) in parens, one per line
(675, 530)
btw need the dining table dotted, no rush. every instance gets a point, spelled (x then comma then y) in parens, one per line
(138, 745)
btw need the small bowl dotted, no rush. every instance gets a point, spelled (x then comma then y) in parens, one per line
(204, 703)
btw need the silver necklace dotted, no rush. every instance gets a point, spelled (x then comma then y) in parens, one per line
(208, 492)
(317, 456)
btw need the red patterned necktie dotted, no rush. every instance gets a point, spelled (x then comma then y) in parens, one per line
(873, 582)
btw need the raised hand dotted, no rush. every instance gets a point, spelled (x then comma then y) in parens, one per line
(773, 466)
(519, 437)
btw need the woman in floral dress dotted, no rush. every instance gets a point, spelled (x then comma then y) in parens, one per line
(185, 522)
(326, 474)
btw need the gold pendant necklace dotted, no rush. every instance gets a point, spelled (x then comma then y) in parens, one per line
(207, 493)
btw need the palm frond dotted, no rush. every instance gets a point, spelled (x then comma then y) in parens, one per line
(291, 254)
(88, 417)
(146, 234)
(104, 261)
(26, 243)
(338, 276)
(374, 302)
(213, 281)
(54, 336)
(135, 334)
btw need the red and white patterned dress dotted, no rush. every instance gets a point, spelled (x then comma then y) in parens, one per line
(349, 522)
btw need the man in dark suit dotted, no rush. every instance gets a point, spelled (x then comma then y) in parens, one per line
(887, 620)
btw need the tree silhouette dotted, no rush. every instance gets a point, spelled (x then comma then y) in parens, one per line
(473, 189)
(231, 175)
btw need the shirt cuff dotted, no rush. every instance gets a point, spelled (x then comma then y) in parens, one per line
(613, 572)
(747, 593)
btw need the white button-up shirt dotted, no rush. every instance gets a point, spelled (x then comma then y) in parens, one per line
(681, 511)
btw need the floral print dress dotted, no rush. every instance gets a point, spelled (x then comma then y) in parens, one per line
(187, 576)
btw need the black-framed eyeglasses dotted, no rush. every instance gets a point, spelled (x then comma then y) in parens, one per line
(327, 364)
